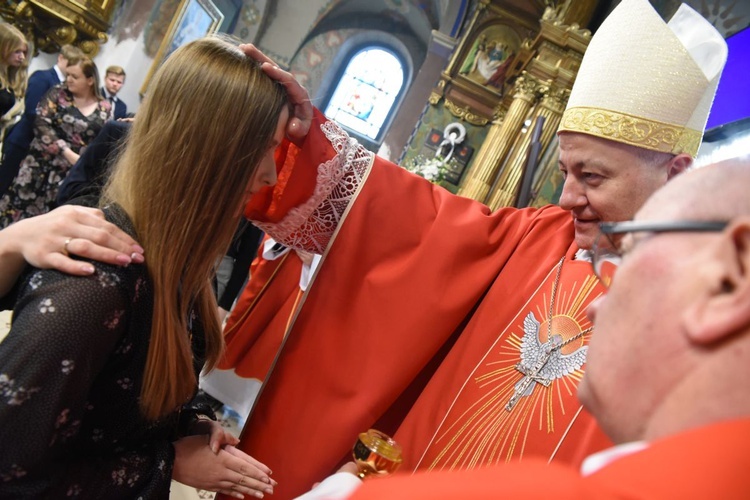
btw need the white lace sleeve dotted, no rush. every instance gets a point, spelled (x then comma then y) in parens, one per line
(310, 226)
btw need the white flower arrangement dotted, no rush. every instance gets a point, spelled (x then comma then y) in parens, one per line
(433, 169)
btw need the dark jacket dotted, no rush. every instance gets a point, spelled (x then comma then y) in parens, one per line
(87, 177)
(121, 109)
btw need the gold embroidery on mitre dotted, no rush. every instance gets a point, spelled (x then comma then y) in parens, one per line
(633, 130)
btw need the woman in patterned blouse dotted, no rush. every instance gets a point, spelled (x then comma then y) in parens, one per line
(68, 117)
(98, 373)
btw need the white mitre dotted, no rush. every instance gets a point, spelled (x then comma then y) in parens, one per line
(645, 82)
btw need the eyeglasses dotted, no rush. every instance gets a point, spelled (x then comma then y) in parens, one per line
(607, 253)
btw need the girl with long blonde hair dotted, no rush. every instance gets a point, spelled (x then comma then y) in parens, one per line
(14, 53)
(109, 393)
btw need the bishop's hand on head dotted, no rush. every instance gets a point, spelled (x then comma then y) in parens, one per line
(301, 118)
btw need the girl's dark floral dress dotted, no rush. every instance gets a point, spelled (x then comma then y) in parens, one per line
(71, 371)
(35, 187)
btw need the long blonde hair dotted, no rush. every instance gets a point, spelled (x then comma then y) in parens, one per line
(11, 77)
(210, 116)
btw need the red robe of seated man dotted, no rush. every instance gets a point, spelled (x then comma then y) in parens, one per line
(709, 462)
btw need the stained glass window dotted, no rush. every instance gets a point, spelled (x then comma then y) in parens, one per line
(367, 91)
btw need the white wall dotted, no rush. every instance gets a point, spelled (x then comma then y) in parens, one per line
(291, 22)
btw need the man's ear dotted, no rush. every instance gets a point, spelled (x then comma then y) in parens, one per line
(724, 307)
(678, 164)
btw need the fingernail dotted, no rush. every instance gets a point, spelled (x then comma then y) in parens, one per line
(259, 494)
(138, 249)
(87, 269)
(123, 259)
(137, 258)
(238, 495)
(269, 491)
(215, 448)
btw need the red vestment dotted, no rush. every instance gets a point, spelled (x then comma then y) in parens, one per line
(256, 326)
(709, 462)
(420, 289)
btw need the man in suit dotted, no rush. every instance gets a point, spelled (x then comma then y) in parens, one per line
(16, 145)
(667, 368)
(114, 79)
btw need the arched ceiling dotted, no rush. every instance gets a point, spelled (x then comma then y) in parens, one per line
(417, 18)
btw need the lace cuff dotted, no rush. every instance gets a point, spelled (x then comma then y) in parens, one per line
(310, 225)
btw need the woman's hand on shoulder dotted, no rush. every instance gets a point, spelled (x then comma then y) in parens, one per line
(47, 241)
(230, 471)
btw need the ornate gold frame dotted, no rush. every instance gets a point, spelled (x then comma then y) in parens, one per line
(48, 24)
(171, 40)
(465, 96)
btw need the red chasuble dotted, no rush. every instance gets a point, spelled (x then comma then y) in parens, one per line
(419, 292)
(478, 424)
(709, 462)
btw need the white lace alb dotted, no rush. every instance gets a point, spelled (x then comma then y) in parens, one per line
(310, 226)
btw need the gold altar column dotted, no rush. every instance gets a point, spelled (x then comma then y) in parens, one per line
(499, 140)
(556, 101)
(551, 108)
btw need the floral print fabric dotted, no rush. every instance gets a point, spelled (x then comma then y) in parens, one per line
(35, 187)
(71, 370)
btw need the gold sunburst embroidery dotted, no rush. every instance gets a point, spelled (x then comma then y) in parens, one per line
(486, 433)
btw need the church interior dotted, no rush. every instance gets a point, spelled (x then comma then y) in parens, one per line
(428, 84)
(467, 93)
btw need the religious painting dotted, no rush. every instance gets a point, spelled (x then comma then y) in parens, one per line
(490, 58)
(194, 19)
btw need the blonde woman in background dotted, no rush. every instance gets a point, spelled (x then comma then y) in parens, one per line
(103, 408)
(14, 53)
(68, 117)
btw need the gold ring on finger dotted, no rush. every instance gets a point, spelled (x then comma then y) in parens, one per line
(65, 247)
